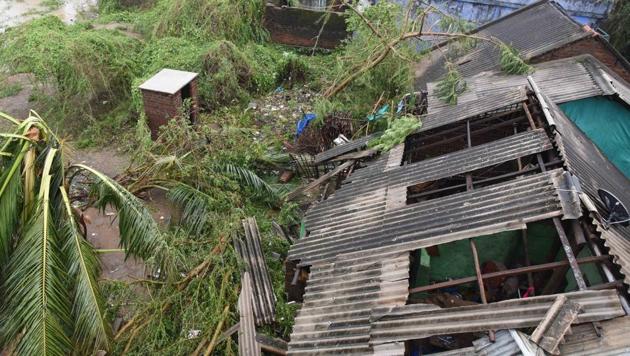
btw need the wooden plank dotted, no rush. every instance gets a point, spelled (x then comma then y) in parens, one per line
(355, 155)
(294, 194)
(557, 322)
(510, 272)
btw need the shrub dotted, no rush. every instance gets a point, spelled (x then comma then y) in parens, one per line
(86, 67)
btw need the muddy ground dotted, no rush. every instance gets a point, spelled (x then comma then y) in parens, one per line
(102, 229)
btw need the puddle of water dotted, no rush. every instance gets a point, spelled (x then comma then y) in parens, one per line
(15, 12)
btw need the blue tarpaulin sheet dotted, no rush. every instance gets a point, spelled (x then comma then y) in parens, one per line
(303, 123)
(607, 123)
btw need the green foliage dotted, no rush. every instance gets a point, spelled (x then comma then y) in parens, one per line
(391, 78)
(289, 214)
(511, 61)
(463, 44)
(85, 67)
(293, 69)
(228, 75)
(450, 85)
(618, 27)
(51, 303)
(398, 130)
(237, 21)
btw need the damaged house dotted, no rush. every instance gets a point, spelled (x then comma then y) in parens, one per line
(497, 228)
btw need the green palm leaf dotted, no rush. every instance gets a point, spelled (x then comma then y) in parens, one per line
(247, 178)
(197, 207)
(37, 305)
(91, 330)
(140, 235)
(11, 195)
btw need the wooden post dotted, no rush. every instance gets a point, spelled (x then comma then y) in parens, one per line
(570, 256)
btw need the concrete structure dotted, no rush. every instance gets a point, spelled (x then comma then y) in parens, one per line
(164, 95)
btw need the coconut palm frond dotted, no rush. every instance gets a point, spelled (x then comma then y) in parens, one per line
(140, 235)
(11, 198)
(247, 178)
(9, 118)
(197, 206)
(91, 330)
(37, 302)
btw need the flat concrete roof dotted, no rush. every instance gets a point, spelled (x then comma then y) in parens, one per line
(168, 81)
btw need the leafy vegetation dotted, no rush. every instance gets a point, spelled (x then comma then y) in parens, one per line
(511, 61)
(215, 174)
(450, 85)
(51, 303)
(87, 70)
(396, 133)
(618, 27)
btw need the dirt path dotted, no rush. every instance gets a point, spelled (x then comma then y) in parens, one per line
(103, 227)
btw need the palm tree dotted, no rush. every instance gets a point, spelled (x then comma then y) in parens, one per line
(50, 303)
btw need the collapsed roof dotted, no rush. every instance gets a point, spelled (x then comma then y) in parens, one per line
(359, 239)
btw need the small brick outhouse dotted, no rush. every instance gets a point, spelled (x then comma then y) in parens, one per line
(164, 94)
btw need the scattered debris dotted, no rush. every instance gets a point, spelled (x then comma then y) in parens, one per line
(250, 251)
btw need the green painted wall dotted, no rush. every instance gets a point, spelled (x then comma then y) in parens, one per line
(455, 260)
(607, 123)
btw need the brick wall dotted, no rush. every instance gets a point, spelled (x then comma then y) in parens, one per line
(592, 46)
(161, 107)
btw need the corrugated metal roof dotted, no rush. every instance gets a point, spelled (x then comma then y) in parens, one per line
(533, 30)
(562, 80)
(411, 322)
(247, 345)
(595, 172)
(584, 339)
(472, 105)
(345, 148)
(619, 247)
(251, 253)
(507, 343)
(371, 212)
(339, 297)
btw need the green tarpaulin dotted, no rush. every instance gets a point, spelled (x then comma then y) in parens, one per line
(607, 123)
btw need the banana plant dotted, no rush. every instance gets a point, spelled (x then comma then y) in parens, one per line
(50, 302)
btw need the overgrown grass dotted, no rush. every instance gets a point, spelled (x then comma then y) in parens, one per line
(88, 69)
(237, 21)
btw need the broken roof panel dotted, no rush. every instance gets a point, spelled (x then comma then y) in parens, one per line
(473, 106)
(561, 80)
(611, 338)
(345, 148)
(532, 30)
(595, 172)
(247, 345)
(348, 220)
(339, 297)
(410, 322)
(250, 252)
(507, 343)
